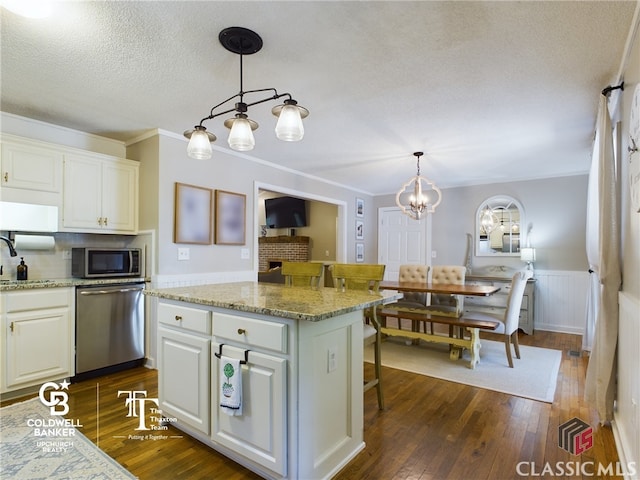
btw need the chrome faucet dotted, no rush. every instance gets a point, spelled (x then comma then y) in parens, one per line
(12, 251)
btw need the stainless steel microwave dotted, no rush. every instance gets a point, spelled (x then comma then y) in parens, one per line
(106, 262)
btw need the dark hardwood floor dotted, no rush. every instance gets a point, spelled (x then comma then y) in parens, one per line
(430, 429)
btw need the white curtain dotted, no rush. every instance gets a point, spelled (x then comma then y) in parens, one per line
(601, 372)
(592, 243)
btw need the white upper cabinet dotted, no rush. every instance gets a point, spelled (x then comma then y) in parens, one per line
(100, 195)
(31, 172)
(96, 193)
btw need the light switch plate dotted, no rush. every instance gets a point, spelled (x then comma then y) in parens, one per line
(244, 254)
(183, 253)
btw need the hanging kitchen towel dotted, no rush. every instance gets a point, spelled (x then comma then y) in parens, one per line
(231, 387)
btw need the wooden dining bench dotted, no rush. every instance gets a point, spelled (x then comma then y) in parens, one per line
(458, 344)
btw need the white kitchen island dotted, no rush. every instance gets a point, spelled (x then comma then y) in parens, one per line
(302, 408)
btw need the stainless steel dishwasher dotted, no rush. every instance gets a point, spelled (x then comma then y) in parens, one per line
(109, 328)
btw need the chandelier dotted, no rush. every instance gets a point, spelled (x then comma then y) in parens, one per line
(289, 128)
(488, 220)
(419, 195)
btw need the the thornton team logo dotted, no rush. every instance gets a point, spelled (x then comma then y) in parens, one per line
(53, 396)
(575, 436)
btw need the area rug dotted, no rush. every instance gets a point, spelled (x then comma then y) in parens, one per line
(534, 376)
(25, 453)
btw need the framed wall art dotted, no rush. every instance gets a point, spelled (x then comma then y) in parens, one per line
(359, 230)
(192, 214)
(230, 218)
(359, 207)
(359, 252)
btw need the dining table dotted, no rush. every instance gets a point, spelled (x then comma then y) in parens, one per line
(439, 288)
(455, 320)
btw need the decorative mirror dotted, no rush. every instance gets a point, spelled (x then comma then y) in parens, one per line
(499, 221)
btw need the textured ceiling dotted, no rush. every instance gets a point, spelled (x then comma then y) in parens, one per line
(490, 91)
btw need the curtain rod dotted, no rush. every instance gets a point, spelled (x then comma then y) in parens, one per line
(608, 89)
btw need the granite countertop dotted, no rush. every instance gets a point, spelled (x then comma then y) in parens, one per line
(11, 285)
(297, 303)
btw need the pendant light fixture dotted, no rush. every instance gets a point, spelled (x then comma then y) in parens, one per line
(419, 195)
(289, 128)
(488, 220)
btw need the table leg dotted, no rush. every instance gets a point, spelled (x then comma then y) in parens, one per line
(474, 347)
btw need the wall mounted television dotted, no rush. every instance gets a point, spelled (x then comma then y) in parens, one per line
(285, 212)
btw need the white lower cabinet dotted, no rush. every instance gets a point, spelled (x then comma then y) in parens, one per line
(301, 418)
(184, 364)
(260, 432)
(38, 337)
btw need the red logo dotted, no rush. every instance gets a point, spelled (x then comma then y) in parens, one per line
(575, 436)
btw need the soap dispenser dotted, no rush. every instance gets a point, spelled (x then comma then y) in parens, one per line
(22, 270)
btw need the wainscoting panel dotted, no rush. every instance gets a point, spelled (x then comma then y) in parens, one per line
(561, 300)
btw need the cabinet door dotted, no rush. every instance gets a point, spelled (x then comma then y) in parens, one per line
(183, 377)
(30, 167)
(119, 197)
(38, 347)
(260, 433)
(82, 202)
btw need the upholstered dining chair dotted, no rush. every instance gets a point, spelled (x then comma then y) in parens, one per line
(510, 319)
(366, 277)
(414, 273)
(302, 274)
(447, 305)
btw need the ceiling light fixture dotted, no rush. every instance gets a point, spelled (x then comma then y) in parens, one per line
(289, 127)
(419, 195)
(29, 8)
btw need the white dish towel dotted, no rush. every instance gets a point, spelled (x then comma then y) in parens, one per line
(230, 386)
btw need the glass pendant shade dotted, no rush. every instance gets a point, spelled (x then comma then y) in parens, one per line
(289, 127)
(241, 134)
(199, 145)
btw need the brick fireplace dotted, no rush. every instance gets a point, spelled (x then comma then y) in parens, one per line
(273, 250)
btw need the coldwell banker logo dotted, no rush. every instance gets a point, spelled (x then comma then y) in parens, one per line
(575, 436)
(53, 396)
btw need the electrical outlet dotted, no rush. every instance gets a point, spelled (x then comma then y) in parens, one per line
(434, 254)
(183, 253)
(332, 359)
(244, 254)
(66, 254)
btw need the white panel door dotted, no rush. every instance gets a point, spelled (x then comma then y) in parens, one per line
(401, 240)
(260, 433)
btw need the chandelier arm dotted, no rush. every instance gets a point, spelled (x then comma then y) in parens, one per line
(274, 97)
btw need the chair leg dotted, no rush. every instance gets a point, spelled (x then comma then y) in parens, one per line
(378, 360)
(516, 345)
(507, 346)
(378, 371)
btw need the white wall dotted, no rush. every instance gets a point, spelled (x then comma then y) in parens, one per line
(164, 162)
(556, 208)
(627, 412)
